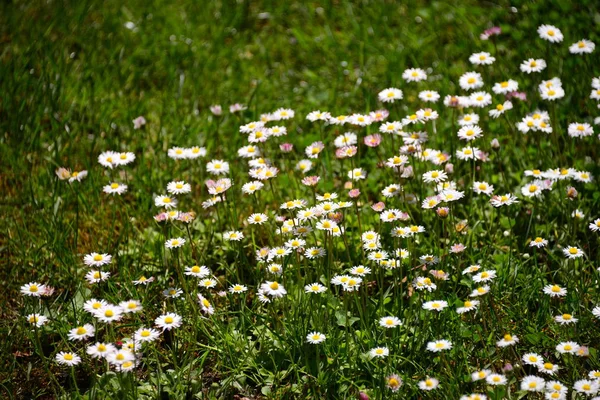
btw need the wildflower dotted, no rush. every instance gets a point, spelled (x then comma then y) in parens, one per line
(315, 338)
(205, 305)
(143, 280)
(390, 95)
(109, 313)
(468, 305)
(507, 340)
(100, 350)
(379, 352)
(587, 387)
(318, 116)
(479, 375)
(548, 368)
(94, 276)
(505, 87)
(470, 80)
(550, 33)
(480, 99)
(567, 347)
(274, 289)
(315, 288)
(393, 382)
(33, 289)
(480, 291)
(482, 58)
(67, 358)
(172, 293)
(565, 319)
(595, 225)
(251, 187)
(177, 187)
(572, 252)
(175, 243)
(389, 322)
(165, 201)
(108, 159)
(115, 188)
(532, 383)
(583, 46)
(429, 384)
(207, 283)
(168, 321)
(414, 75)
(484, 276)
(357, 174)
(533, 65)
(37, 319)
(495, 30)
(146, 335)
(429, 96)
(555, 291)
(218, 167)
(131, 306)
(504, 200)
(496, 379)
(501, 109)
(424, 283)
(439, 345)
(97, 259)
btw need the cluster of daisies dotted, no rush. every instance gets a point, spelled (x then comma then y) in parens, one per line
(302, 232)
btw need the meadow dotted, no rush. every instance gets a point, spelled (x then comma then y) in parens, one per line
(300, 200)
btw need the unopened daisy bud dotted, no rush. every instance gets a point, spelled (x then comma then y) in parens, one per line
(335, 216)
(348, 185)
(572, 193)
(63, 173)
(363, 396)
(507, 367)
(495, 144)
(449, 168)
(442, 212)
(354, 193)
(139, 122)
(286, 147)
(311, 180)
(378, 207)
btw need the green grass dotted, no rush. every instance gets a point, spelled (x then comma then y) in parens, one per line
(72, 79)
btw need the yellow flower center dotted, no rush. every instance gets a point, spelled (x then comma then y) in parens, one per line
(120, 357)
(567, 316)
(145, 333)
(550, 33)
(504, 84)
(274, 286)
(195, 269)
(169, 320)
(568, 347)
(508, 337)
(114, 185)
(468, 303)
(109, 313)
(101, 347)
(573, 250)
(532, 188)
(471, 81)
(68, 356)
(581, 45)
(500, 107)
(33, 288)
(131, 305)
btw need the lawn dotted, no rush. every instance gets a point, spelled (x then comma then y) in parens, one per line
(299, 200)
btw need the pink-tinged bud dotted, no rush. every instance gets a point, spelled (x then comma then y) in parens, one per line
(216, 109)
(354, 193)
(572, 193)
(495, 144)
(442, 212)
(457, 248)
(378, 207)
(348, 185)
(139, 122)
(286, 147)
(311, 180)
(449, 168)
(363, 396)
(161, 217)
(507, 367)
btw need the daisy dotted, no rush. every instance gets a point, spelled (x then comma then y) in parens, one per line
(318, 116)
(429, 96)
(439, 345)
(273, 289)
(115, 188)
(578, 130)
(175, 243)
(131, 306)
(195, 152)
(572, 252)
(100, 350)
(469, 119)
(480, 291)
(483, 58)
(595, 225)
(315, 288)
(197, 271)
(81, 332)
(257, 219)
(533, 65)
(315, 252)
(538, 242)
(360, 270)
(315, 338)
(143, 280)
(36, 319)
(380, 352)
(67, 358)
(550, 33)
(479, 375)
(567, 347)
(390, 95)
(480, 99)
(468, 305)
(532, 383)
(505, 87)
(507, 340)
(435, 176)
(108, 159)
(177, 153)
(555, 386)
(587, 387)
(237, 288)
(218, 167)
(470, 132)
(389, 322)
(357, 174)
(393, 382)
(120, 357)
(414, 75)
(165, 201)
(172, 293)
(429, 384)
(500, 109)
(496, 379)
(109, 313)
(583, 46)
(484, 276)
(504, 200)
(177, 187)
(205, 304)
(470, 80)
(483, 187)
(77, 176)
(124, 158)
(146, 335)
(94, 276)
(552, 93)
(467, 153)
(555, 291)
(33, 289)
(96, 259)
(565, 319)
(548, 368)
(533, 189)
(207, 283)
(168, 321)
